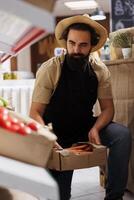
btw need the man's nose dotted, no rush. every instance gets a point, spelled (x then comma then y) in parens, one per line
(76, 49)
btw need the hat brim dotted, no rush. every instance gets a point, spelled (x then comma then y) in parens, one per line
(65, 23)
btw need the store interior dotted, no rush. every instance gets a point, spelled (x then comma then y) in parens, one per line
(26, 41)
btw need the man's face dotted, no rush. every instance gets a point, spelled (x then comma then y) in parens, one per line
(78, 43)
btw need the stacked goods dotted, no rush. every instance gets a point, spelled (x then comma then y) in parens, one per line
(9, 75)
(24, 139)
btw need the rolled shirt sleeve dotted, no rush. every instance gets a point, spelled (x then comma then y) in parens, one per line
(46, 79)
(104, 79)
(105, 88)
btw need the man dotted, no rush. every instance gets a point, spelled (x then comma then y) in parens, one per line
(65, 91)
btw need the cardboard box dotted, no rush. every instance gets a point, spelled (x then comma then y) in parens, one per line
(62, 160)
(33, 148)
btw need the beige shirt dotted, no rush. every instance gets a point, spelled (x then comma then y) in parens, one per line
(48, 75)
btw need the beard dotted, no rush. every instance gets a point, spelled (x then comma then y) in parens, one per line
(77, 62)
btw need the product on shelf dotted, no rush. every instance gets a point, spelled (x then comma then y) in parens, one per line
(24, 139)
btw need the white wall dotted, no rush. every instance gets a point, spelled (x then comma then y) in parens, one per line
(24, 60)
(6, 66)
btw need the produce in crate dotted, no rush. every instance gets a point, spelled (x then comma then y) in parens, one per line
(24, 139)
(16, 125)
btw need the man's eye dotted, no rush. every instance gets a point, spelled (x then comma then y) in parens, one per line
(72, 43)
(84, 45)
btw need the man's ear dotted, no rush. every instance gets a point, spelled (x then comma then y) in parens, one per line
(94, 40)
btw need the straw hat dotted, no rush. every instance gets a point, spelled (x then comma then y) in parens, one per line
(65, 23)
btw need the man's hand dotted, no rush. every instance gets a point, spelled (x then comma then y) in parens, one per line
(93, 136)
(57, 146)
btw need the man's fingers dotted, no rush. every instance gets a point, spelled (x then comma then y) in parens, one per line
(97, 141)
(57, 146)
(94, 140)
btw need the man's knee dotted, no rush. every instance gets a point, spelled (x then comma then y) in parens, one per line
(124, 133)
(115, 133)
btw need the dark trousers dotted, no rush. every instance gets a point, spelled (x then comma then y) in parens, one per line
(118, 139)
(64, 180)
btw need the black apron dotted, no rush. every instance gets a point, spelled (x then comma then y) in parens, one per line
(70, 107)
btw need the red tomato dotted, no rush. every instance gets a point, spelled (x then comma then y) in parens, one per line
(21, 124)
(3, 119)
(6, 124)
(24, 130)
(33, 125)
(14, 128)
(3, 110)
(13, 120)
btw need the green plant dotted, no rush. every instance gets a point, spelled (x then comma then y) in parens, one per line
(122, 40)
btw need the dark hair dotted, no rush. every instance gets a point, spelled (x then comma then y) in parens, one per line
(84, 27)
